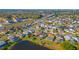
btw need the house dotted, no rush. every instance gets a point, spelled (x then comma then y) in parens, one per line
(25, 19)
(2, 43)
(2, 20)
(42, 35)
(19, 19)
(29, 25)
(13, 38)
(68, 37)
(42, 25)
(51, 36)
(6, 22)
(1, 27)
(14, 19)
(66, 30)
(29, 32)
(23, 35)
(49, 26)
(10, 21)
(71, 38)
(37, 33)
(59, 38)
(75, 38)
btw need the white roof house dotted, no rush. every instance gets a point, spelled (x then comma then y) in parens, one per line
(2, 43)
(75, 38)
(67, 37)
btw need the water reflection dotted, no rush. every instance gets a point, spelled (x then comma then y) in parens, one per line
(26, 45)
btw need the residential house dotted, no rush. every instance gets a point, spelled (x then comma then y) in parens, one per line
(13, 38)
(2, 43)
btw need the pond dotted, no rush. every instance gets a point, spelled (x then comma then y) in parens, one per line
(26, 45)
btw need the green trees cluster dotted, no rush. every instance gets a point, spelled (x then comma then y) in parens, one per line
(68, 46)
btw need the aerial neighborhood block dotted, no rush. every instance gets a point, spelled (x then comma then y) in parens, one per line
(39, 29)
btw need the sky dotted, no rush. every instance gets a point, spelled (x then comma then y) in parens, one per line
(39, 4)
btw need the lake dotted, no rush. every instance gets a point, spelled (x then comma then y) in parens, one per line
(26, 45)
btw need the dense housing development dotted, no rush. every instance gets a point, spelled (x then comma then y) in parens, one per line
(39, 29)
